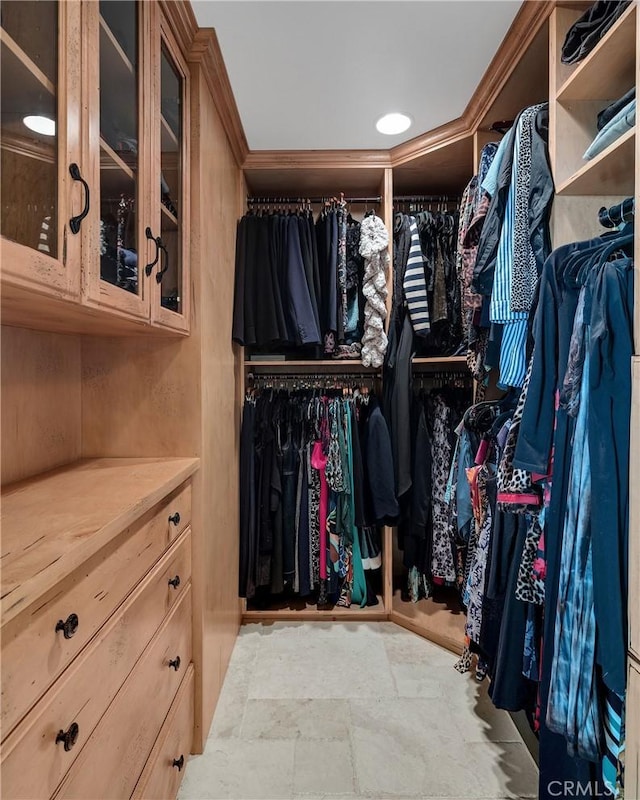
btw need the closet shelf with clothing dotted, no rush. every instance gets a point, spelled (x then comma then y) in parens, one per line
(609, 173)
(609, 69)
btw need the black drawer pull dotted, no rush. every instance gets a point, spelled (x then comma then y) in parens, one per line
(68, 626)
(175, 663)
(69, 737)
(158, 243)
(175, 582)
(174, 519)
(179, 763)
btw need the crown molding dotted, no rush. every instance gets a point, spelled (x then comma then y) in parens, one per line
(201, 47)
(524, 28)
(310, 159)
(446, 134)
(205, 51)
(183, 22)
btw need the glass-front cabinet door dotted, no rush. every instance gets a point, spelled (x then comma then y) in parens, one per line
(119, 136)
(170, 301)
(42, 204)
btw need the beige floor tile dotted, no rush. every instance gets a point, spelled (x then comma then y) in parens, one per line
(323, 765)
(342, 668)
(296, 719)
(405, 647)
(231, 769)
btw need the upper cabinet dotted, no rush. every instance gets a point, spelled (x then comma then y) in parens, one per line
(94, 201)
(170, 195)
(40, 143)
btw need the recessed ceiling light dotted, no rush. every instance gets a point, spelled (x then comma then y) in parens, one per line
(393, 123)
(42, 125)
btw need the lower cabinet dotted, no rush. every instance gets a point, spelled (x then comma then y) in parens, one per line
(164, 770)
(107, 709)
(111, 762)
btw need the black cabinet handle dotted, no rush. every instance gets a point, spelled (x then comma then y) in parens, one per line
(68, 626)
(74, 222)
(179, 763)
(175, 582)
(158, 243)
(175, 663)
(174, 519)
(165, 253)
(70, 737)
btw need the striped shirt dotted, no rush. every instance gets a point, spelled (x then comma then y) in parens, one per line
(415, 285)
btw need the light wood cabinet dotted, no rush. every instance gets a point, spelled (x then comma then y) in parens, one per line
(114, 84)
(40, 140)
(86, 693)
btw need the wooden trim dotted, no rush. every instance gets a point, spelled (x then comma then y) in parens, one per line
(26, 62)
(182, 21)
(205, 51)
(310, 159)
(531, 17)
(354, 614)
(444, 641)
(444, 135)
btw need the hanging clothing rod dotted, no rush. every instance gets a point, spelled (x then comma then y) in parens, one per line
(312, 376)
(293, 200)
(425, 198)
(616, 215)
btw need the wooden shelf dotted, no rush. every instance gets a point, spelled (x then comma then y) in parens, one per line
(54, 522)
(27, 62)
(609, 173)
(112, 49)
(609, 70)
(26, 146)
(110, 159)
(169, 140)
(169, 220)
(353, 614)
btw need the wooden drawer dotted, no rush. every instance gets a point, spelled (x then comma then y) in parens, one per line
(83, 693)
(34, 653)
(632, 753)
(162, 775)
(110, 764)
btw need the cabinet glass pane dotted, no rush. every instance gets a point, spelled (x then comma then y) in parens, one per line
(171, 182)
(119, 138)
(28, 137)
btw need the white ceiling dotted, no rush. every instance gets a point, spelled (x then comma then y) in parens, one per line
(317, 74)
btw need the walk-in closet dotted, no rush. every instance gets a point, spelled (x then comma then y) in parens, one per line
(319, 436)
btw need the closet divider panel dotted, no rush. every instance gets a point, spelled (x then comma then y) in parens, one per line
(41, 402)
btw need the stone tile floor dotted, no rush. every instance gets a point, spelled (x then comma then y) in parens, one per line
(327, 711)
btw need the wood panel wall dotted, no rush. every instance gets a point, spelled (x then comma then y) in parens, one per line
(147, 397)
(41, 403)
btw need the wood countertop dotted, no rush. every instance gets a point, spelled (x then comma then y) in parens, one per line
(52, 523)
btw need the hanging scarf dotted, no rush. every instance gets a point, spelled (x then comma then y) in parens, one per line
(374, 239)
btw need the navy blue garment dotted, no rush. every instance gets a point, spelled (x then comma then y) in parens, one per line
(610, 412)
(289, 485)
(299, 298)
(246, 583)
(552, 328)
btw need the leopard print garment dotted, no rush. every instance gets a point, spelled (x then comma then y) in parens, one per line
(442, 564)
(510, 479)
(314, 519)
(525, 271)
(529, 586)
